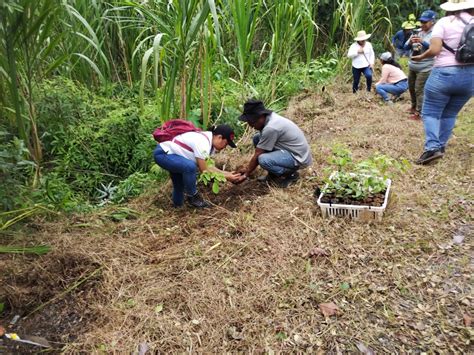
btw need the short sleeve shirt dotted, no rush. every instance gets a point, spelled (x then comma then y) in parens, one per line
(449, 29)
(199, 142)
(281, 133)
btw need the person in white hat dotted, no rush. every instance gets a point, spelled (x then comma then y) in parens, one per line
(363, 58)
(393, 80)
(451, 83)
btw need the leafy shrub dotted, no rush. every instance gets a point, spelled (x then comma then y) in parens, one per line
(15, 170)
(132, 186)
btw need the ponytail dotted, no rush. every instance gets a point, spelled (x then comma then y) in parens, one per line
(391, 61)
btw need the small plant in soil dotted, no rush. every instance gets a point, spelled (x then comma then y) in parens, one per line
(362, 183)
(212, 178)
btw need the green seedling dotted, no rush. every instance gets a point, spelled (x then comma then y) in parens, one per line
(347, 179)
(212, 177)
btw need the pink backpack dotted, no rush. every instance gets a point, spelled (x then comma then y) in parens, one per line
(173, 128)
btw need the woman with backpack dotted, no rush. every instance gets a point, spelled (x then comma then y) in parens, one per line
(185, 154)
(451, 83)
(393, 80)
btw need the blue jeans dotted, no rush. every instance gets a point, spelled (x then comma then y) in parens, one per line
(396, 89)
(276, 162)
(356, 75)
(447, 90)
(182, 171)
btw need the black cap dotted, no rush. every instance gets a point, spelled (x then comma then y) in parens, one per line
(253, 109)
(226, 132)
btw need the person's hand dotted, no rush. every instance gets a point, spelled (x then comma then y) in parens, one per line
(416, 58)
(361, 50)
(415, 40)
(241, 171)
(236, 178)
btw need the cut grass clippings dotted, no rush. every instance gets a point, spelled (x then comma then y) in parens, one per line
(251, 274)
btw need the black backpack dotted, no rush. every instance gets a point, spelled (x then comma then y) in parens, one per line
(465, 51)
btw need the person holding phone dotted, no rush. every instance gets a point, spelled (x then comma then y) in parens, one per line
(363, 59)
(419, 71)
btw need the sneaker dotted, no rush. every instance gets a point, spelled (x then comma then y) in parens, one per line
(389, 102)
(285, 181)
(415, 116)
(197, 201)
(429, 156)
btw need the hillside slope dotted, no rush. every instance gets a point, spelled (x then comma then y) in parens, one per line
(238, 277)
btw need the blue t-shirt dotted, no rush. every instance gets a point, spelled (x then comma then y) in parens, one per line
(400, 38)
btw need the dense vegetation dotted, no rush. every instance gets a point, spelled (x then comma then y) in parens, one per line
(83, 83)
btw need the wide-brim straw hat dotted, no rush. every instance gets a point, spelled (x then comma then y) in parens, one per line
(362, 36)
(457, 5)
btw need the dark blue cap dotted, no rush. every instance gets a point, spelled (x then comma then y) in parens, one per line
(428, 15)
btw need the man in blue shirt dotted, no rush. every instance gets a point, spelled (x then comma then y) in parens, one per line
(400, 38)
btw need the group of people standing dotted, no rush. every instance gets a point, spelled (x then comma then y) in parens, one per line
(438, 83)
(439, 86)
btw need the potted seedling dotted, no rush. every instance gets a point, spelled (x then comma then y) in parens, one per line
(357, 190)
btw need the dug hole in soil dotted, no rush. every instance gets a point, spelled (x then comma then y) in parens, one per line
(241, 277)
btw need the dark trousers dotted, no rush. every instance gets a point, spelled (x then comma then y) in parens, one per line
(416, 85)
(356, 75)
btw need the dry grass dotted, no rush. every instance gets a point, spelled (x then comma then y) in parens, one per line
(238, 277)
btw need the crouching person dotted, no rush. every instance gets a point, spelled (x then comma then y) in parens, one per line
(186, 154)
(280, 148)
(393, 80)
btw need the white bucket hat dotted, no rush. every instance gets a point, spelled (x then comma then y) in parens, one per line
(362, 36)
(457, 5)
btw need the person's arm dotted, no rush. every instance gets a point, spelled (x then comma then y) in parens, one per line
(230, 176)
(352, 53)
(384, 77)
(371, 57)
(407, 44)
(436, 45)
(253, 163)
(394, 39)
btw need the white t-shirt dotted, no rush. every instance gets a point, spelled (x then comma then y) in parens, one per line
(360, 60)
(199, 142)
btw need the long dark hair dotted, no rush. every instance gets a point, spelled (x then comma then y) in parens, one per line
(392, 61)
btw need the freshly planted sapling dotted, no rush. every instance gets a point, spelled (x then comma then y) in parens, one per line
(212, 177)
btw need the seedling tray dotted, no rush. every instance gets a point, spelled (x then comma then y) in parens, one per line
(359, 212)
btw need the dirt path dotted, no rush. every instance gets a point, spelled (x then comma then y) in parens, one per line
(238, 277)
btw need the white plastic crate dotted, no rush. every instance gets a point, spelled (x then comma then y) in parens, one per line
(355, 211)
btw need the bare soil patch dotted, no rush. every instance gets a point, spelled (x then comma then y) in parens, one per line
(251, 273)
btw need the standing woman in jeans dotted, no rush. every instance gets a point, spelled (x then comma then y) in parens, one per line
(451, 83)
(363, 58)
(393, 80)
(186, 154)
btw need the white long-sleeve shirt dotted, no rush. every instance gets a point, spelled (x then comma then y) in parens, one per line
(360, 60)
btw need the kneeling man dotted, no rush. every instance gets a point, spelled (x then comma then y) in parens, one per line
(280, 147)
